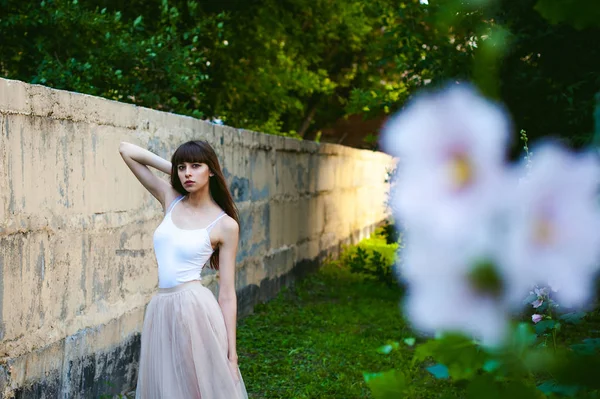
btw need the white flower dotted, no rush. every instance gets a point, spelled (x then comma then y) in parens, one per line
(451, 147)
(446, 293)
(554, 229)
(450, 177)
(452, 305)
(536, 318)
(476, 239)
(537, 303)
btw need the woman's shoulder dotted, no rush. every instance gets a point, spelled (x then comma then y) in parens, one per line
(229, 225)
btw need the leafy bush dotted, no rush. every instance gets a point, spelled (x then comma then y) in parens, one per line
(374, 257)
(391, 233)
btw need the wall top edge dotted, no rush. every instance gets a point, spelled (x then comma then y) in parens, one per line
(17, 97)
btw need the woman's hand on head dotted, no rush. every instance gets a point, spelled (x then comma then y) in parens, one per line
(138, 160)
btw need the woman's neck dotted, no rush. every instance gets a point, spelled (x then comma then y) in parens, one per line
(200, 199)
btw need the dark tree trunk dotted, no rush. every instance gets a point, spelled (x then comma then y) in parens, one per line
(303, 130)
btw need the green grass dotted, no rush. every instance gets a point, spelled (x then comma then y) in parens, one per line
(316, 339)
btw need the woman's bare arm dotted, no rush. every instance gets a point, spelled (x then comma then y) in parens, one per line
(138, 159)
(227, 297)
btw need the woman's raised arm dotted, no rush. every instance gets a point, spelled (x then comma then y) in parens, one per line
(138, 159)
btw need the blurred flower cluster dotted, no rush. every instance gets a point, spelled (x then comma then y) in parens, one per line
(539, 298)
(478, 236)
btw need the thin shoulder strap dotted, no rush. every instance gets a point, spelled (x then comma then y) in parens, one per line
(210, 226)
(175, 201)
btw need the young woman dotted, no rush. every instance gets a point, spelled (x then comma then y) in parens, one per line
(189, 338)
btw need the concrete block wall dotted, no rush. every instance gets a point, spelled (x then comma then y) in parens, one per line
(77, 266)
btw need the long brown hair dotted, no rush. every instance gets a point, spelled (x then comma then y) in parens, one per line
(202, 152)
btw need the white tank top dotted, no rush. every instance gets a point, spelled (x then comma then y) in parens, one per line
(180, 253)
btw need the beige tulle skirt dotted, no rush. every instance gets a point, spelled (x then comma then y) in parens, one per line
(184, 348)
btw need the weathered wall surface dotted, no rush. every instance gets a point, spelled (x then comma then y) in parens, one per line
(76, 260)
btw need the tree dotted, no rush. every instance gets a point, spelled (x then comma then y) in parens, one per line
(544, 72)
(156, 60)
(295, 67)
(292, 64)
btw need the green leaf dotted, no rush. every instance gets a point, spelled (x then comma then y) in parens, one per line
(588, 347)
(491, 365)
(573, 317)
(459, 354)
(529, 299)
(544, 325)
(549, 387)
(523, 337)
(439, 371)
(387, 385)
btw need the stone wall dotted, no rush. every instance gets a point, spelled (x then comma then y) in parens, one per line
(77, 266)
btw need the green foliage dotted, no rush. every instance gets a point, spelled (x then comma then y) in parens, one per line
(522, 368)
(292, 64)
(596, 140)
(373, 258)
(589, 346)
(295, 67)
(390, 232)
(545, 97)
(546, 325)
(573, 317)
(439, 371)
(507, 48)
(158, 60)
(410, 54)
(272, 66)
(461, 357)
(578, 13)
(387, 384)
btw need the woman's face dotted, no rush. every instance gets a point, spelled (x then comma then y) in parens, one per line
(193, 175)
